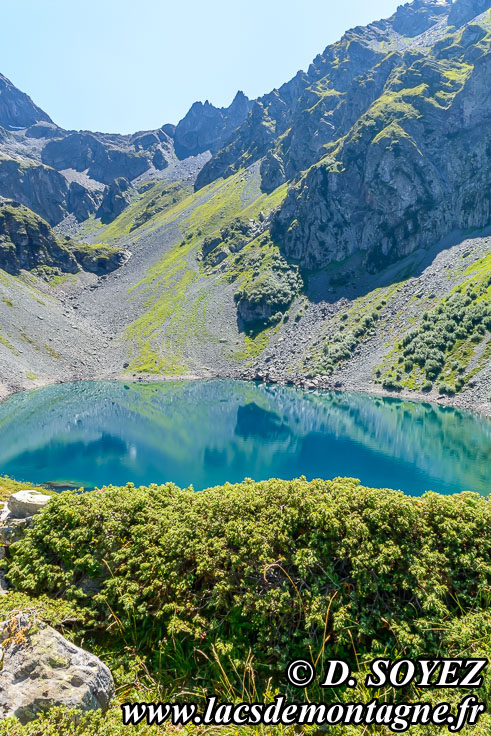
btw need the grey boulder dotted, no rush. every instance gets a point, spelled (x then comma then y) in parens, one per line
(27, 503)
(41, 669)
(11, 528)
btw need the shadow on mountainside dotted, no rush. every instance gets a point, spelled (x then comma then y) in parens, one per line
(347, 280)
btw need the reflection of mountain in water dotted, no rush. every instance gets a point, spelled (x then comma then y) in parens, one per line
(440, 441)
(254, 421)
(208, 432)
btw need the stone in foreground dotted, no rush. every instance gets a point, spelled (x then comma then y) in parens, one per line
(41, 669)
(27, 503)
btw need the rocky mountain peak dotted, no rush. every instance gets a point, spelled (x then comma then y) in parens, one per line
(17, 110)
(463, 11)
(418, 16)
(206, 127)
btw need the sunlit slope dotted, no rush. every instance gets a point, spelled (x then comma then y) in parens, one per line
(215, 265)
(39, 337)
(185, 305)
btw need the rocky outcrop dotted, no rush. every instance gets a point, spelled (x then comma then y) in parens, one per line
(81, 201)
(116, 198)
(99, 259)
(16, 515)
(46, 191)
(464, 10)
(11, 529)
(291, 126)
(39, 187)
(232, 238)
(102, 162)
(412, 169)
(206, 127)
(44, 130)
(41, 669)
(263, 299)
(17, 110)
(27, 242)
(27, 503)
(249, 143)
(414, 18)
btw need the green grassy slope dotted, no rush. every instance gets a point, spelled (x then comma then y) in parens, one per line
(184, 294)
(437, 340)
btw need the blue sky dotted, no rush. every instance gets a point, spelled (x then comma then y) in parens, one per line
(126, 65)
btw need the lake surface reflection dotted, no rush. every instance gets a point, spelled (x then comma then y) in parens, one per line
(205, 433)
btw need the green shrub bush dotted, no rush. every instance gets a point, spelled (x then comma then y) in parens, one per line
(267, 296)
(341, 346)
(278, 568)
(461, 316)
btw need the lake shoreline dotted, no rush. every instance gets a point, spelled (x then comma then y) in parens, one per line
(209, 432)
(458, 401)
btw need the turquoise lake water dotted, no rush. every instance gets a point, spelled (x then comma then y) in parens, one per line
(205, 433)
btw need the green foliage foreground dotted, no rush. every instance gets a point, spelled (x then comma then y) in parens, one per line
(216, 591)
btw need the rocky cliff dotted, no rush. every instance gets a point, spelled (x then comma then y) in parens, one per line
(57, 172)
(290, 127)
(28, 243)
(17, 110)
(206, 127)
(385, 138)
(413, 168)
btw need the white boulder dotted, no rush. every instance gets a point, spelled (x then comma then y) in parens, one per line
(27, 503)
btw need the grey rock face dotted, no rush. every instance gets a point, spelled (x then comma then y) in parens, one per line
(206, 127)
(45, 190)
(292, 125)
(402, 179)
(38, 187)
(41, 669)
(254, 138)
(16, 516)
(27, 241)
(17, 110)
(3, 583)
(44, 130)
(11, 528)
(82, 202)
(159, 160)
(251, 312)
(100, 261)
(272, 172)
(84, 152)
(27, 503)
(414, 18)
(464, 10)
(116, 198)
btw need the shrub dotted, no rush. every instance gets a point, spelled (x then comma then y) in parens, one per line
(446, 388)
(272, 567)
(459, 317)
(268, 295)
(391, 384)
